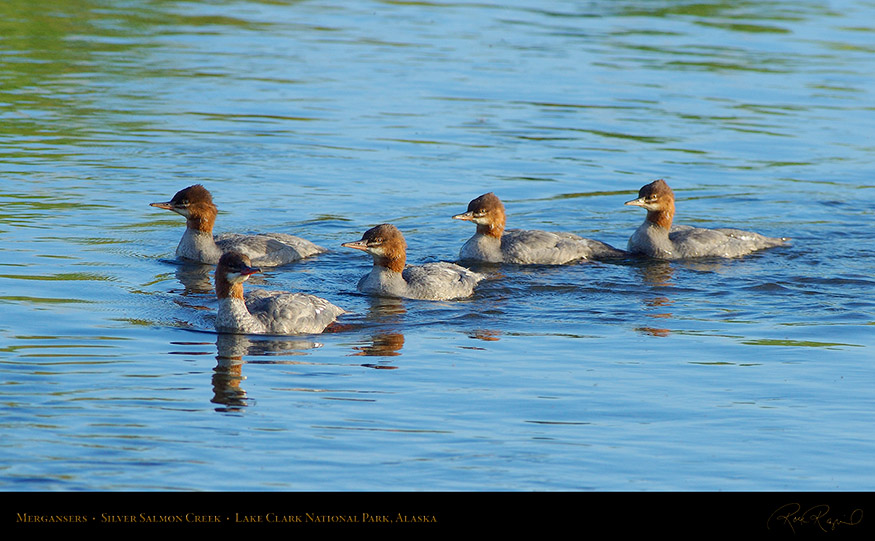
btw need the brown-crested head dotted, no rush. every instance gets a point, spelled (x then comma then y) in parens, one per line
(487, 211)
(385, 243)
(196, 204)
(233, 269)
(658, 199)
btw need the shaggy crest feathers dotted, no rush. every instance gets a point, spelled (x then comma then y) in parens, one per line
(233, 262)
(489, 205)
(391, 244)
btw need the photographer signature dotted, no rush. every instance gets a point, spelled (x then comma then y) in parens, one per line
(816, 516)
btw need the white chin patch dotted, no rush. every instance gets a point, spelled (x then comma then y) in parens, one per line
(236, 278)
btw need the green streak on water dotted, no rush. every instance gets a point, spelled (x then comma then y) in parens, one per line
(62, 277)
(42, 300)
(798, 343)
(755, 28)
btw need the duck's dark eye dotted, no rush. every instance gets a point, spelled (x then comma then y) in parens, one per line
(378, 240)
(480, 214)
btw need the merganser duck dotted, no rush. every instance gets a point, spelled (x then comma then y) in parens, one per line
(391, 278)
(199, 244)
(265, 312)
(492, 244)
(658, 239)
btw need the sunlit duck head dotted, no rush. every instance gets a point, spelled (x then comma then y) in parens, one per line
(233, 269)
(658, 200)
(196, 204)
(385, 244)
(487, 211)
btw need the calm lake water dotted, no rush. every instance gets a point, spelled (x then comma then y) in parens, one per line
(323, 119)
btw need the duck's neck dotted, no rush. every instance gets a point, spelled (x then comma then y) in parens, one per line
(198, 245)
(394, 260)
(652, 236)
(384, 281)
(201, 217)
(661, 218)
(493, 229)
(225, 289)
(233, 316)
(482, 247)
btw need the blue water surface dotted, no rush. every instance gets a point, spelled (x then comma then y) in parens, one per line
(323, 119)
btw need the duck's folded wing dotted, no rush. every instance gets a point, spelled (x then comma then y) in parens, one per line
(291, 313)
(269, 249)
(725, 242)
(440, 281)
(549, 248)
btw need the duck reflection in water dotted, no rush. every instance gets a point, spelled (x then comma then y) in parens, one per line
(487, 335)
(386, 344)
(383, 344)
(657, 274)
(196, 278)
(228, 373)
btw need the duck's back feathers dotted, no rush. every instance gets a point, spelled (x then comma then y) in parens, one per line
(291, 313)
(268, 249)
(724, 242)
(545, 247)
(440, 281)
